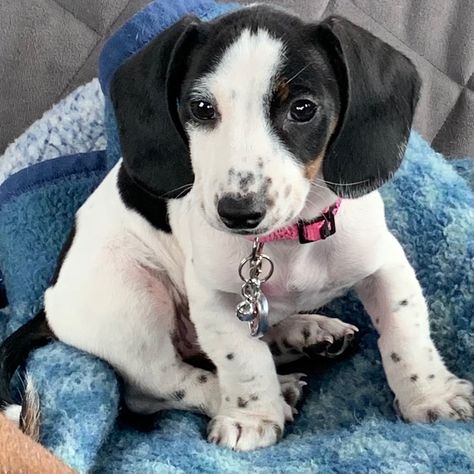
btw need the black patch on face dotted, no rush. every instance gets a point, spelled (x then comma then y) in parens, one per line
(395, 357)
(414, 378)
(202, 379)
(310, 78)
(153, 209)
(229, 356)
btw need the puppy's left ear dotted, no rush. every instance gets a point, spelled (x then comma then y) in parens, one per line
(379, 89)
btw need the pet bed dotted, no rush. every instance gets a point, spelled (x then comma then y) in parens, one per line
(346, 423)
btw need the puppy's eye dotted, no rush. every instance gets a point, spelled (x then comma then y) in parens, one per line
(202, 110)
(302, 110)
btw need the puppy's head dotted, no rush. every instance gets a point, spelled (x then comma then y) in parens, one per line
(256, 107)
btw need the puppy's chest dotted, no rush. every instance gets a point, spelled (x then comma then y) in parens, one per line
(304, 278)
(304, 281)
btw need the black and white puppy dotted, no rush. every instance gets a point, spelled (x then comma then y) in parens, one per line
(245, 125)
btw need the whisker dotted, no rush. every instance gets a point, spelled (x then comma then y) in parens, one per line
(184, 191)
(186, 186)
(355, 183)
(298, 73)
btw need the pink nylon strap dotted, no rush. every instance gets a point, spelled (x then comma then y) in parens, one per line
(316, 229)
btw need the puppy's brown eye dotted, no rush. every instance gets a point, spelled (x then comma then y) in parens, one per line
(302, 110)
(202, 110)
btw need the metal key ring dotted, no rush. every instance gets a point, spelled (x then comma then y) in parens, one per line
(248, 259)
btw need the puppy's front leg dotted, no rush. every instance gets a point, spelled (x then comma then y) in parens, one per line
(252, 412)
(424, 388)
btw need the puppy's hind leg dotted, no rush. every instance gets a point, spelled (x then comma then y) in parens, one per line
(172, 383)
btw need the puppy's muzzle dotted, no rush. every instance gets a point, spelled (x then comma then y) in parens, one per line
(241, 212)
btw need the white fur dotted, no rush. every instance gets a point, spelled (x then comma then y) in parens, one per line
(12, 413)
(118, 286)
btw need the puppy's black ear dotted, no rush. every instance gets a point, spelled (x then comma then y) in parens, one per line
(379, 90)
(144, 92)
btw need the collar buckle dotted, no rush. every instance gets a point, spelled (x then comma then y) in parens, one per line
(326, 223)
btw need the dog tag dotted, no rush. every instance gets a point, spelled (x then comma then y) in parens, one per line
(246, 311)
(254, 306)
(259, 325)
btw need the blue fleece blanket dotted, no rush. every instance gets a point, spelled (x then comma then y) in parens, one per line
(346, 424)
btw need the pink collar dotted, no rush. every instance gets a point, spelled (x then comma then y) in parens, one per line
(313, 230)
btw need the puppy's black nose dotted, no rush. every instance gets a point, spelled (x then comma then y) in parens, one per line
(240, 212)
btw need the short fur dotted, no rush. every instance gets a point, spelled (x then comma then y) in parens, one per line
(150, 278)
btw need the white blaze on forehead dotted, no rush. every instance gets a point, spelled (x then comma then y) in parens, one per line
(243, 76)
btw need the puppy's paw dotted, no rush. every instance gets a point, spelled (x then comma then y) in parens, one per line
(291, 391)
(244, 432)
(310, 334)
(449, 399)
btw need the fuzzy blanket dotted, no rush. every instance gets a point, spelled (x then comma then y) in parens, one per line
(346, 423)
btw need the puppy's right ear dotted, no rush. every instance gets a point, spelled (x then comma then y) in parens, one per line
(144, 93)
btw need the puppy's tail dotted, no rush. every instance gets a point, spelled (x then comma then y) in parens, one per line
(13, 351)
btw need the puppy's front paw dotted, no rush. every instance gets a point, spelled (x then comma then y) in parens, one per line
(448, 399)
(244, 432)
(310, 335)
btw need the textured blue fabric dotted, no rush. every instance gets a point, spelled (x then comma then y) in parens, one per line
(346, 424)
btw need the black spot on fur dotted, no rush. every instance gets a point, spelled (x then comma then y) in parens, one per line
(246, 180)
(278, 431)
(403, 303)
(227, 399)
(306, 333)
(202, 378)
(239, 431)
(229, 356)
(254, 397)
(179, 394)
(414, 378)
(432, 415)
(395, 357)
(431, 376)
(241, 403)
